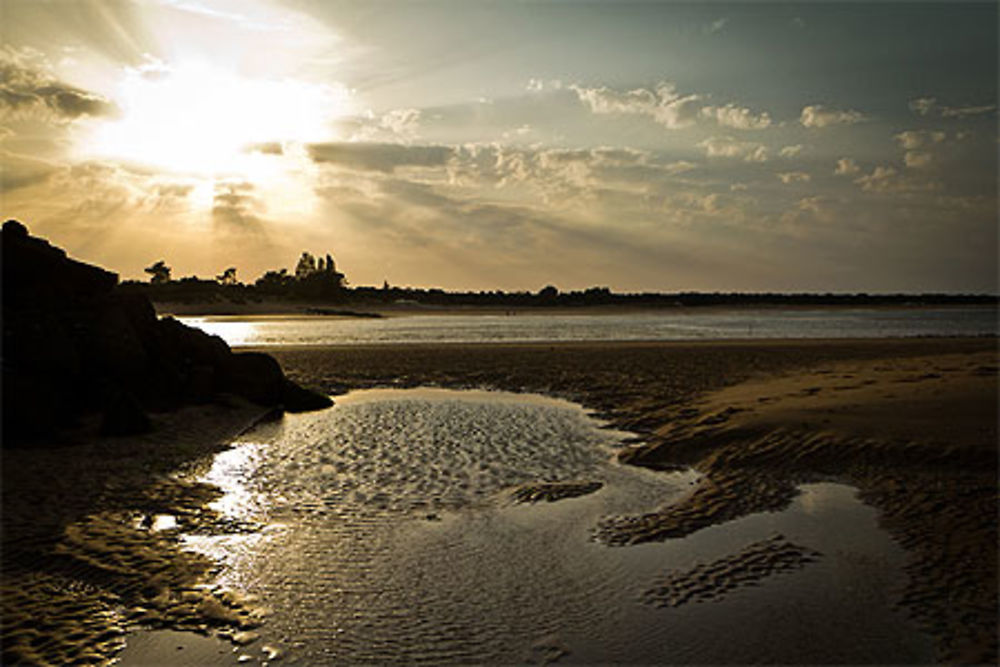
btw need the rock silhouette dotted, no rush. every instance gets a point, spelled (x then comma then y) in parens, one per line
(74, 345)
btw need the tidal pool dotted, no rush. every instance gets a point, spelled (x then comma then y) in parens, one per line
(390, 535)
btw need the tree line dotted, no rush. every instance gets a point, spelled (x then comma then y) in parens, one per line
(316, 279)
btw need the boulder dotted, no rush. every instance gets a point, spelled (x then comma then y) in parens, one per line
(257, 377)
(124, 416)
(73, 345)
(199, 386)
(299, 399)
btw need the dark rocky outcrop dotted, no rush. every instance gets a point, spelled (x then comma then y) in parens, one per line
(74, 345)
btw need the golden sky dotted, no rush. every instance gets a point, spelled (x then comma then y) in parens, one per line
(483, 145)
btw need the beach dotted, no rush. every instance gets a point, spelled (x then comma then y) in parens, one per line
(910, 423)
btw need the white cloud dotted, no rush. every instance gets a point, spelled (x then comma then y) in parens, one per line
(922, 105)
(749, 151)
(889, 180)
(961, 112)
(791, 151)
(739, 118)
(402, 122)
(925, 105)
(917, 159)
(671, 109)
(538, 85)
(790, 177)
(819, 116)
(912, 139)
(675, 111)
(604, 100)
(679, 167)
(846, 167)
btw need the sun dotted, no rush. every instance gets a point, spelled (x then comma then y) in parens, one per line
(196, 118)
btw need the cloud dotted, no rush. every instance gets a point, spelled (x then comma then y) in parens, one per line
(912, 139)
(236, 208)
(961, 112)
(739, 118)
(393, 126)
(749, 151)
(401, 122)
(267, 148)
(717, 25)
(889, 180)
(672, 110)
(917, 159)
(539, 85)
(819, 116)
(21, 171)
(380, 157)
(790, 177)
(663, 105)
(27, 88)
(917, 143)
(846, 166)
(924, 106)
(791, 151)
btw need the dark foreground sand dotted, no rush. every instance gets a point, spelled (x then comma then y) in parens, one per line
(912, 423)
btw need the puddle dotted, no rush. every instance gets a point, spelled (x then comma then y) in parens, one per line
(181, 649)
(392, 538)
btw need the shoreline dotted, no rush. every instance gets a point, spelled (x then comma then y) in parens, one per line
(271, 309)
(647, 388)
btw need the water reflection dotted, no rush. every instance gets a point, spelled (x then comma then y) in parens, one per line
(666, 325)
(398, 543)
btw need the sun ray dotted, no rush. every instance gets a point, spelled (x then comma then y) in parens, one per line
(198, 118)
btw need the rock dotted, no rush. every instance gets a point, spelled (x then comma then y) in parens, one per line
(257, 377)
(33, 408)
(69, 335)
(200, 384)
(124, 416)
(111, 346)
(299, 399)
(186, 345)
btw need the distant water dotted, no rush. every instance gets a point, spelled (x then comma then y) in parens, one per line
(711, 324)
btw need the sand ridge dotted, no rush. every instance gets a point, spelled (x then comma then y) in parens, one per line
(917, 436)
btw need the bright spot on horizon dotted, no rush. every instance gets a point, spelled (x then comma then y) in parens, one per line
(201, 119)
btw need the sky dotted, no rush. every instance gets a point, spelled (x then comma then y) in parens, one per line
(480, 145)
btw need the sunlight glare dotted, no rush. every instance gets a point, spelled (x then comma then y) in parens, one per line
(200, 119)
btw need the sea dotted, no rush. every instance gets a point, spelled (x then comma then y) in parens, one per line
(666, 325)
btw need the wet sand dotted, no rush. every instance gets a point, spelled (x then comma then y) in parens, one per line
(912, 423)
(90, 539)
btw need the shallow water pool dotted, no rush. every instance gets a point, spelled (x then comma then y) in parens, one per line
(391, 536)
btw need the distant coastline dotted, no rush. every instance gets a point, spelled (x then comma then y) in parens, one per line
(373, 302)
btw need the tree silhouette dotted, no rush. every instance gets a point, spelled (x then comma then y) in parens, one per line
(227, 277)
(306, 266)
(159, 272)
